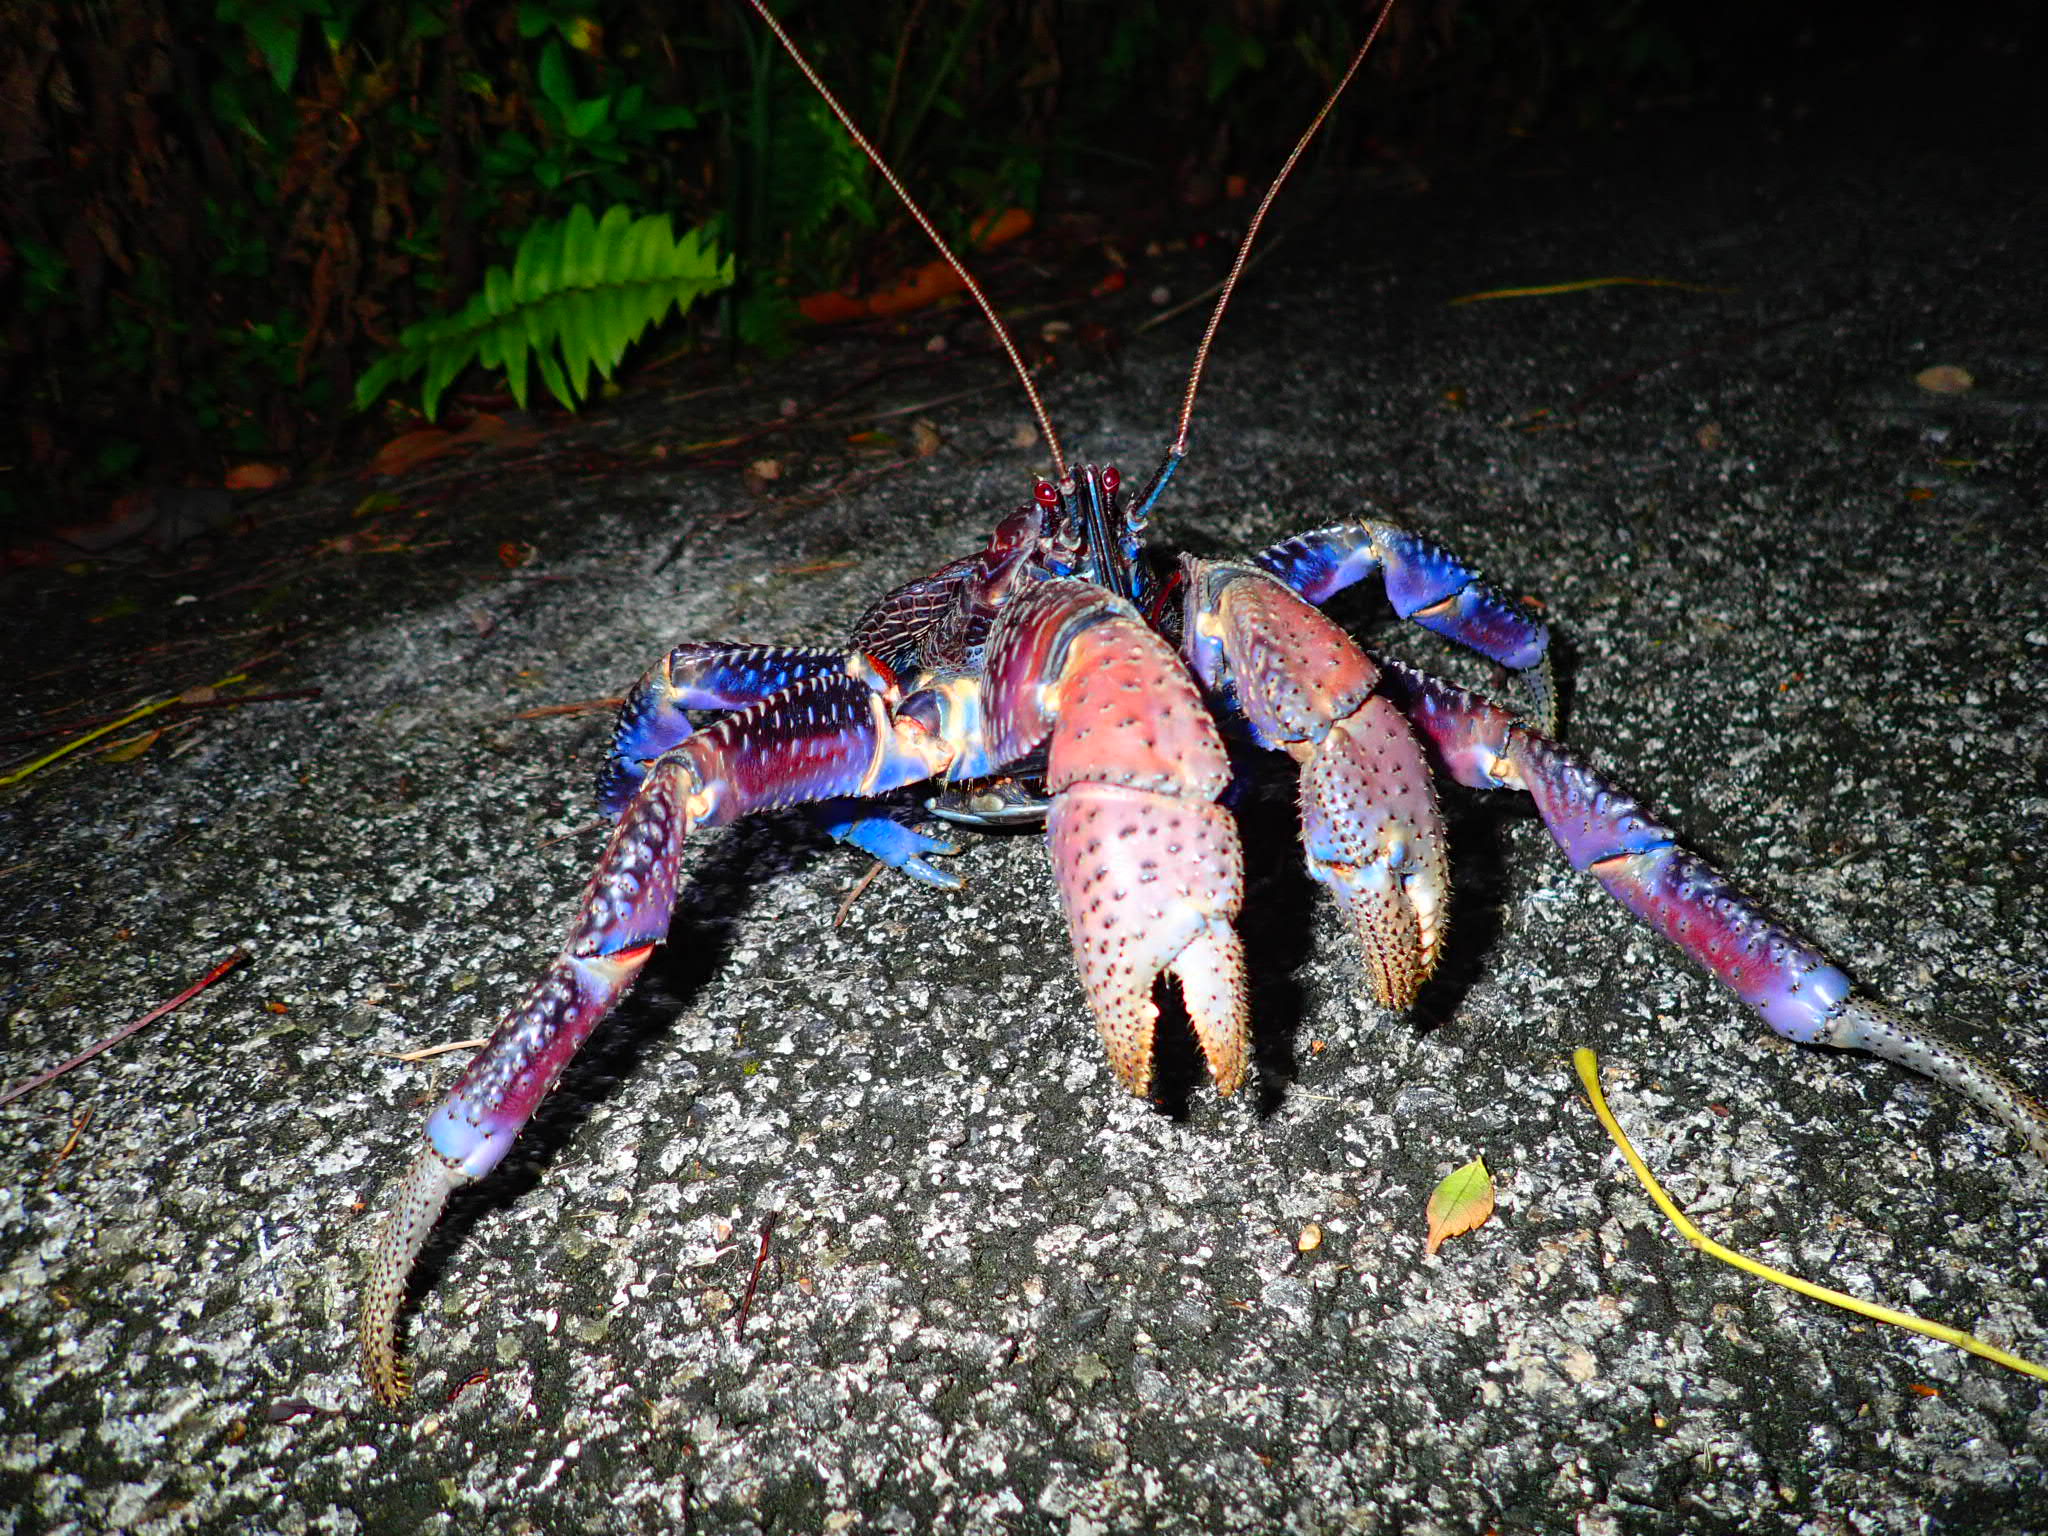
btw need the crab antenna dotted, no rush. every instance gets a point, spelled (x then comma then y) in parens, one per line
(924, 223)
(1244, 246)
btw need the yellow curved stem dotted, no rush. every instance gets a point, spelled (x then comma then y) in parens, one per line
(1589, 1074)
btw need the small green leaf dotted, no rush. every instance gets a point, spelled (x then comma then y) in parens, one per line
(551, 375)
(668, 119)
(445, 361)
(579, 248)
(274, 30)
(512, 358)
(584, 118)
(1462, 1202)
(613, 228)
(380, 376)
(555, 82)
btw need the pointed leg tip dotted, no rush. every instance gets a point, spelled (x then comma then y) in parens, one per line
(932, 874)
(389, 1381)
(1864, 1025)
(422, 1195)
(1132, 1063)
(1395, 975)
(1389, 995)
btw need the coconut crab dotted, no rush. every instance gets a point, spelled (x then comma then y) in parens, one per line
(1065, 672)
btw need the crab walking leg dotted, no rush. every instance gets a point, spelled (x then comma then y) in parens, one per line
(1150, 873)
(1369, 819)
(1429, 586)
(821, 737)
(1612, 836)
(654, 716)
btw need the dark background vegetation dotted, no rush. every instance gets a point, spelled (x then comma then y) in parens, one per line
(216, 215)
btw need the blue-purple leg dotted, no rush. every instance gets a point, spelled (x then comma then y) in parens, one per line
(707, 676)
(1428, 585)
(879, 833)
(819, 738)
(655, 717)
(1612, 836)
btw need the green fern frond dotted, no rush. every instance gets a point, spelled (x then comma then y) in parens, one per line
(580, 292)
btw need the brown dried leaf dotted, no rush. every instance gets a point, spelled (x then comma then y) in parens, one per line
(255, 477)
(1945, 379)
(409, 450)
(127, 751)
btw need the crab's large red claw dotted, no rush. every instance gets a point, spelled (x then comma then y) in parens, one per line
(1369, 822)
(1150, 871)
(1151, 883)
(1149, 868)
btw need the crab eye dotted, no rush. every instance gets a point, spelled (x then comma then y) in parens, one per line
(1111, 479)
(1045, 494)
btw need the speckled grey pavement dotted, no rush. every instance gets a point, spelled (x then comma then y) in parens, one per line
(1805, 611)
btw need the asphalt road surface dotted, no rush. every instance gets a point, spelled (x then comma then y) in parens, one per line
(1803, 610)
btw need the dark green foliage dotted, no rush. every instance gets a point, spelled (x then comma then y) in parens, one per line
(225, 219)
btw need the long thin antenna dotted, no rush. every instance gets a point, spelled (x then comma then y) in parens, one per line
(924, 223)
(1244, 246)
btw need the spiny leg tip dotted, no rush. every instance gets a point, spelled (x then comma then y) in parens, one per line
(1864, 1025)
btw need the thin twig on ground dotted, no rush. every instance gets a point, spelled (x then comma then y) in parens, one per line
(126, 1030)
